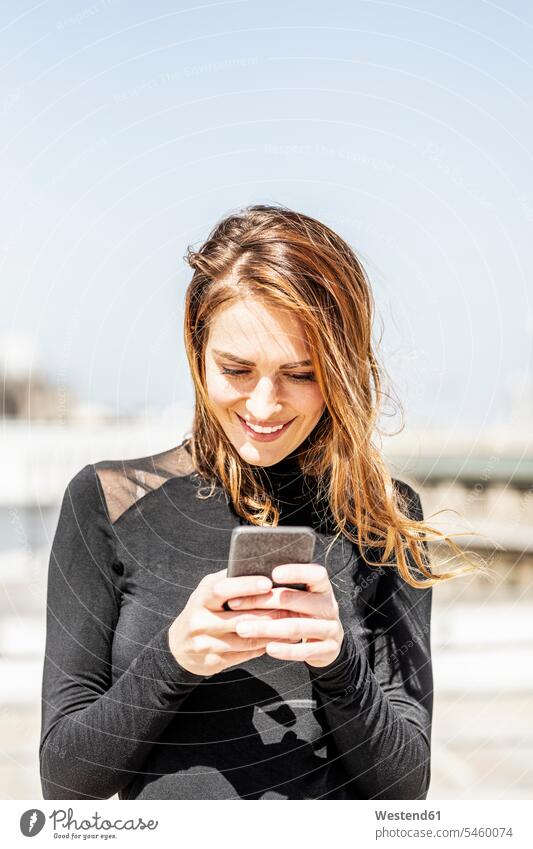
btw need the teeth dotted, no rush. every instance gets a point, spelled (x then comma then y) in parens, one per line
(259, 429)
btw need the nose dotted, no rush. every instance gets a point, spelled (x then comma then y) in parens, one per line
(262, 403)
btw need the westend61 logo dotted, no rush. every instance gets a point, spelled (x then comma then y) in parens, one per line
(66, 826)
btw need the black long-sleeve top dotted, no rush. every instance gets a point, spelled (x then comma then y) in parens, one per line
(121, 716)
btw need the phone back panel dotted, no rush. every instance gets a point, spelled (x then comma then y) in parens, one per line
(255, 550)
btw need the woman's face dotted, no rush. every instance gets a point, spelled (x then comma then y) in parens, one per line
(258, 370)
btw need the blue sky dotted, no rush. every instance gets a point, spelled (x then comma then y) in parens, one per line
(129, 129)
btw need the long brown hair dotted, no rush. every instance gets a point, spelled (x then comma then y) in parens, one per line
(292, 261)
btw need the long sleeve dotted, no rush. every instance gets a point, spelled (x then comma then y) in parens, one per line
(95, 735)
(377, 698)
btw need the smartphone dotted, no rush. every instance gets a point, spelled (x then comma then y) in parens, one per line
(256, 550)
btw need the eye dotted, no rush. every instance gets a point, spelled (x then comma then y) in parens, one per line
(234, 372)
(302, 378)
(240, 374)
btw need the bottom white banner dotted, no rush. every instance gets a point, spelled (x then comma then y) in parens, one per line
(226, 825)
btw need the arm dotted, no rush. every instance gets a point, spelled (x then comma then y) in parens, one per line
(377, 702)
(95, 735)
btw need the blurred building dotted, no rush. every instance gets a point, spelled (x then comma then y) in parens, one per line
(27, 393)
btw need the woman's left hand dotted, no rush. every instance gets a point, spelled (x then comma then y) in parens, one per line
(313, 616)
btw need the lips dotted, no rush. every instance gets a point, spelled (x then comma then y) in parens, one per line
(264, 424)
(264, 437)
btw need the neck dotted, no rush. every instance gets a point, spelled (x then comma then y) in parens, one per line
(282, 479)
(287, 464)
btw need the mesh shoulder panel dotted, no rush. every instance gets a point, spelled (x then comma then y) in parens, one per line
(124, 482)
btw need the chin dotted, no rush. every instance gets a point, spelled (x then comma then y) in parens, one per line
(258, 457)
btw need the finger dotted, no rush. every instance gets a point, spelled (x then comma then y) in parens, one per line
(319, 605)
(235, 658)
(233, 643)
(318, 629)
(218, 622)
(216, 593)
(313, 574)
(301, 651)
(204, 643)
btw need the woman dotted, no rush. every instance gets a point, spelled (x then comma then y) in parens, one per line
(165, 679)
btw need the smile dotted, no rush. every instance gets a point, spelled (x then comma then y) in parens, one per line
(264, 434)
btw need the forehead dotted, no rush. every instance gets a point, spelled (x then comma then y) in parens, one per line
(253, 329)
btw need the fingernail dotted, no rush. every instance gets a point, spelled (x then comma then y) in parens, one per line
(263, 584)
(244, 629)
(235, 602)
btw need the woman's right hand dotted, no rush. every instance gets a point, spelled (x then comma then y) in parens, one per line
(203, 637)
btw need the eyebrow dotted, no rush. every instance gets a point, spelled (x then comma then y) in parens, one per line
(242, 362)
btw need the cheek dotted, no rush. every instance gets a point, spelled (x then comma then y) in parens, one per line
(221, 393)
(310, 401)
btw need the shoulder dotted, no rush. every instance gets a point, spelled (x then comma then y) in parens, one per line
(408, 499)
(82, 492)
(122, 483)
(82, 522)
